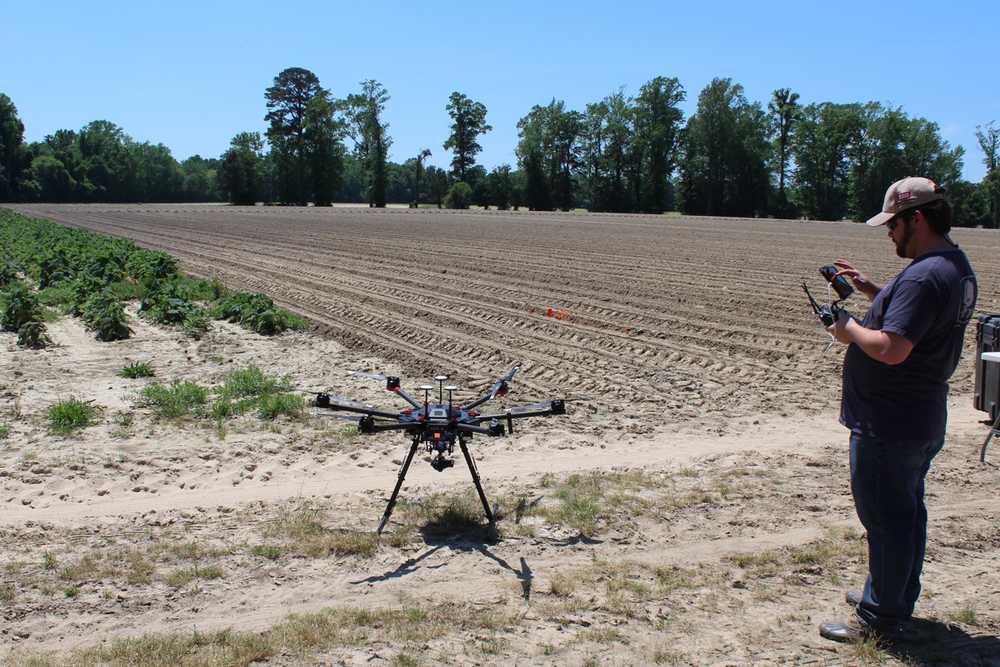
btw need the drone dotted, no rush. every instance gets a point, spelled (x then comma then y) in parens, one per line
(438, 425)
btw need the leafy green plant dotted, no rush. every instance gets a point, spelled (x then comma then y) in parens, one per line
(8, 273)
(178, 400)
(71, 415)
(151, 267)
(60, 295)
(137, 369)
(52, 267)
(104, 314)
(4, 431)
(256, 312)
(196, 323)
(81, 290)
(32, 335)
(20, 308)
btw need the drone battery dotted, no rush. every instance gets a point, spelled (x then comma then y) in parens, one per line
(987, 394)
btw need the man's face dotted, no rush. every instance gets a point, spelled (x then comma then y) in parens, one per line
(901, 232)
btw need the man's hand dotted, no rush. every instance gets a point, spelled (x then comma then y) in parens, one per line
(839, 328)
(860, 280)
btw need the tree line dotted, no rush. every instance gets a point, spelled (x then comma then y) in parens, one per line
(623, 153)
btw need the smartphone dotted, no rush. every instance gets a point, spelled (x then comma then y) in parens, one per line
(840, 284)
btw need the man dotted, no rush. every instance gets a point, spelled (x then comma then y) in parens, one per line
(895, 391)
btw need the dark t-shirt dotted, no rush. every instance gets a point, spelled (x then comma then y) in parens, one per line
(929, 303)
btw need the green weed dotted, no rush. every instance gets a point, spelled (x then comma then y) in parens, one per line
(273, 405)
(137, 369)
(252, 382)
(71, 415)
(180, 399)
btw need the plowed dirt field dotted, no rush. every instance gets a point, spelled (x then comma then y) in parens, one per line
(693, 506)
(666, 318)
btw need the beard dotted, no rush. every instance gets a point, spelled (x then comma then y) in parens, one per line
(904, 241)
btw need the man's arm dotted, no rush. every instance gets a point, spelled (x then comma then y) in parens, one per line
(884, 346)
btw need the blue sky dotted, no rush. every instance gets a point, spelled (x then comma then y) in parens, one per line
(192, 74)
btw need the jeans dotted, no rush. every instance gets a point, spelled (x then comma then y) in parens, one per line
(887, 481)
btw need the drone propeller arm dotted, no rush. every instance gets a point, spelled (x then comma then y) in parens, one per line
(494, 391)
(369, 427)
(469, 428)
(543, 409)
(335, 403)
(406, 397)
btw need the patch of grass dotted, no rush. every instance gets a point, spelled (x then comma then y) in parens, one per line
(7, 593)
(138, 570)
(965, 616)
(274, 405)
(442, 514)
(137, 369)
(304, 534)
(184, 576)
(253, 382)
(268, 551)
(71, 415)
(49, 561)
(665, 654)
(172, 550)
(180, 399)
(562, 585)
(869, 651)
(300, 636)
(587, 501)
(89, 567)
(4, 431)
(123, 422)
(57, 296)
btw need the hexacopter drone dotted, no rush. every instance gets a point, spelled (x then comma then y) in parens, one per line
(438, 425)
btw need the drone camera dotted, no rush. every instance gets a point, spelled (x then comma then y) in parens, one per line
(839, 283)
(392, 383)
(366, 425)
(440, 463)
(558, 407)
(322, 400)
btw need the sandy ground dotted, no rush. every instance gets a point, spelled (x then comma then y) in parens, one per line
(771, 485)
(692, 508)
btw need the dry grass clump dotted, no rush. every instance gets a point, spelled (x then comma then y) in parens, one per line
(303, 533)
(828, 554)
(299, 636)
(186, 575)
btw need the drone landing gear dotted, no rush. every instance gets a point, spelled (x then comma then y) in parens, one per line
(406, 466)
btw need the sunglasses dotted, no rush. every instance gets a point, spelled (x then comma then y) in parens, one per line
(892, 224)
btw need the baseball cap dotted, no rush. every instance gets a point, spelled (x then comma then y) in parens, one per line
(904, 194)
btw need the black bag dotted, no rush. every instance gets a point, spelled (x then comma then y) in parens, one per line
(987, 396)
